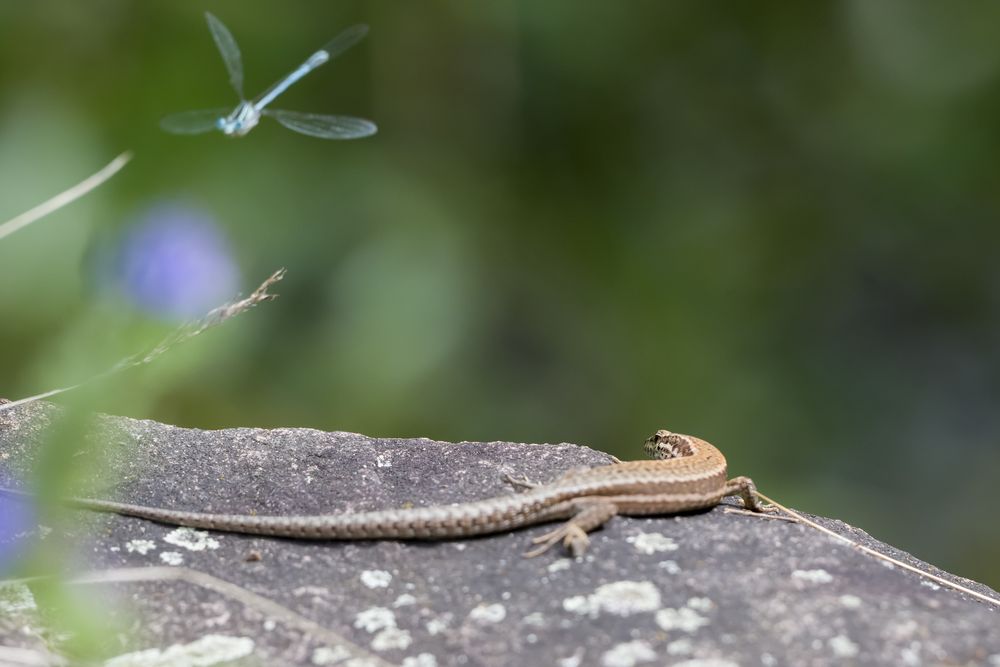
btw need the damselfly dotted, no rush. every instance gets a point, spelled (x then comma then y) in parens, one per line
(247, 113)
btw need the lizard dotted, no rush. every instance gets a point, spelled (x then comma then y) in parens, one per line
(685, 473)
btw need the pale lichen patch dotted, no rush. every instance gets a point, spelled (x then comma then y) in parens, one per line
(850, 601)
(382, 623)
(574, 660)
(684, 619)
(670, 566)
(376, 578)
(534, 619)
(375, 619)
(628, 654)
(621, 598)
(206, 651)
(701, 604)
(680, 647)
(812, 576)
(843, 647)
(141, 547)
(650, 543)
(559, 565)
(172, 557)
(486, 614)
(391, 639)
(190, 539)
(436, 626)
(911, 655)
(329, 655)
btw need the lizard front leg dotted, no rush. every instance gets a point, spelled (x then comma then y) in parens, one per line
(523, 483)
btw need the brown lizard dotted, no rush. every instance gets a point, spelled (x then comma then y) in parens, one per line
(686, 473)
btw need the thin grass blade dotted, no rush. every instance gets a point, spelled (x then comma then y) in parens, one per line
(65, 197)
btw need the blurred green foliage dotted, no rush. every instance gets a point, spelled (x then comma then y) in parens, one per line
(771, 225)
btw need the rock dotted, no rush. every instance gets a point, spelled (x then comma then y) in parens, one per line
(710, 589)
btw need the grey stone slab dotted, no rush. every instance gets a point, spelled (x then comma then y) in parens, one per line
(709, 589)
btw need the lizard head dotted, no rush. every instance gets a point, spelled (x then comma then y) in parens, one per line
(668, 445)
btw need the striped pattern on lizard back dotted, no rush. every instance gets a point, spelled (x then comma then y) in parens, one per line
(686, 474)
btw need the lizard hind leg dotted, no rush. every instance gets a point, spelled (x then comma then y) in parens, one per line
(747, 491)
(573, 533)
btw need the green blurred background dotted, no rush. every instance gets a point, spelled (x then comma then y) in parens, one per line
(773, 225)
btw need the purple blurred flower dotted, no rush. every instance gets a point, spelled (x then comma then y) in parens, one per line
(16, 523)
(176, 263)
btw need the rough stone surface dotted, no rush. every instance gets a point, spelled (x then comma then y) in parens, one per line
(708, 589)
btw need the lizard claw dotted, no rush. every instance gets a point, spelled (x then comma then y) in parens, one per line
(572, 536)
(767, 509)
